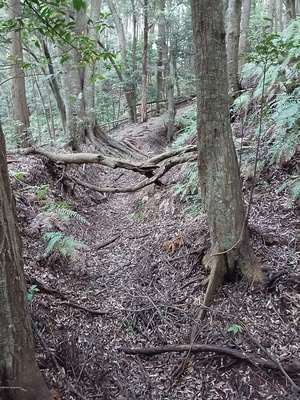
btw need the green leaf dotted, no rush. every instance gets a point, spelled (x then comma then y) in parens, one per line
(79, 4)
(235, 328)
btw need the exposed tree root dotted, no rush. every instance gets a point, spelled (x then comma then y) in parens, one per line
(293, 366)
(216, 278)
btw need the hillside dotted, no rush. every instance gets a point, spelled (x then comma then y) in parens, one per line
(138, 283)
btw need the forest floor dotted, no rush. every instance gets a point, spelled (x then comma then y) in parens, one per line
(139, 283)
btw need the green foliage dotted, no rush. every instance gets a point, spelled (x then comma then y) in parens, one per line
(64, 212)
(65, 245)
(42, 191)
(31, 292)
(128, 325)
(235, 328)
(137, 214)
(274, 69)
(19, 175)
(187, 127)
(293, 185)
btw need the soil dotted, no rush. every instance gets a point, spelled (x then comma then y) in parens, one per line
(139, 279)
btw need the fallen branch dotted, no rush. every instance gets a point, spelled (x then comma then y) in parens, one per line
(107, 242)
(90, 310)
(292, 366)
(162, 170)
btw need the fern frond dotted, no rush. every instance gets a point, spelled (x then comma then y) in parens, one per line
(66, 245)
(65, 212)
(295, 189)
(53, 238)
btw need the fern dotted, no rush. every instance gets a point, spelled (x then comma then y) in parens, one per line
(295, 189)
(53, 239)
(66, 245)
(64, 212)
(188, 127)
(293, 185)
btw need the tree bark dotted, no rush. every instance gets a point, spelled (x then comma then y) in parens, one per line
(271, 14)
(245, 20)
(145, 65)
(18, 367)
(129, 86)
(20, 109)
(232, 45)
(219, 176)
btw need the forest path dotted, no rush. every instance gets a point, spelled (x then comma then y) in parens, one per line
(142, 268)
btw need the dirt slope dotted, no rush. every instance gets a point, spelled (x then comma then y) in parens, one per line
(141, 269)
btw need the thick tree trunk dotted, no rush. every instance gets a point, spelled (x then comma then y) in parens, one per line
(20, 377)
(20, 109)
(232, 43)
(219, 176)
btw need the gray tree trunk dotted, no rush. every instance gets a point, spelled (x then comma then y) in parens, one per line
(18, 367)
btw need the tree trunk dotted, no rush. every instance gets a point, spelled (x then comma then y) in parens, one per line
(219, 176)
(88, 83)
(271, 14)
(20, 109)
(54, 84)
(129, 86)
(159, 69)
(169, 85)
(279, 16)
(145, 65)
(232, 43)
(290, 10)
(245, 20)
(20, 378)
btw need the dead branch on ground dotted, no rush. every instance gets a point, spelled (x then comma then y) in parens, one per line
(292, 366)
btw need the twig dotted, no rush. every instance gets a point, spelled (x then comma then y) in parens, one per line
(13, 387)
(100, 246)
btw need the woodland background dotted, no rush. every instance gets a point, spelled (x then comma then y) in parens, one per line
(113, 263)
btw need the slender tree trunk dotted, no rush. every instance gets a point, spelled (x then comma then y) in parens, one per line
(232, 43)
(20, 378)
(280, 15)
(271, 15)
(20, 109)
(54, 84)
(159, 69)
(245, 20)
(290, 10)
(129, 86)
(88, 83)
(219, 175)
(145, 65)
